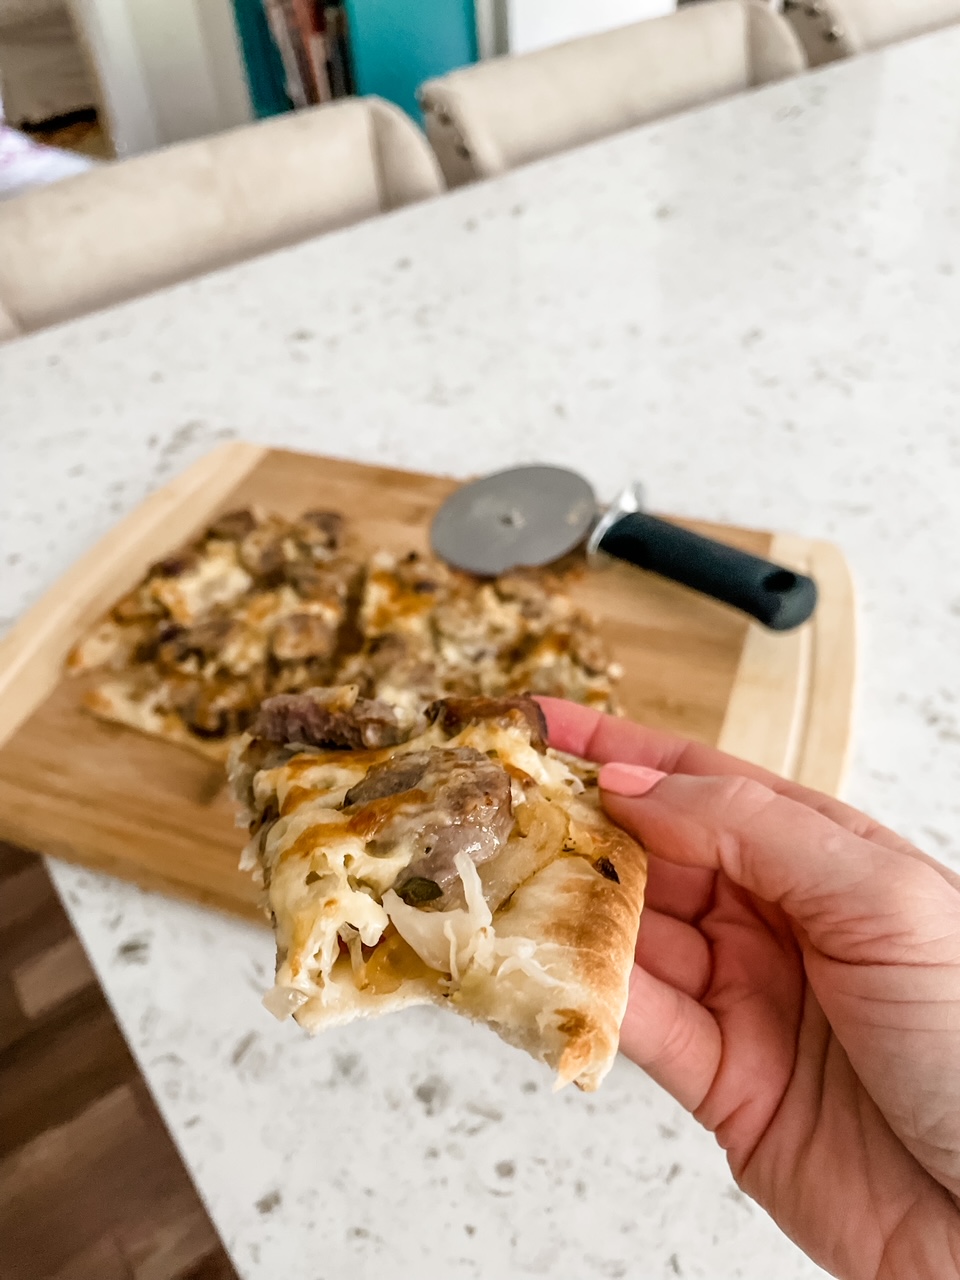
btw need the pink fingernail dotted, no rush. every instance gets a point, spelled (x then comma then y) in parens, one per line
(629, 779)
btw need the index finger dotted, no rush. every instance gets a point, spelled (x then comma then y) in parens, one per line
(585, 732)
(590, 734)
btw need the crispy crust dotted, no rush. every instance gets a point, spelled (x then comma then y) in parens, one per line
(585, 927)
(120, 701)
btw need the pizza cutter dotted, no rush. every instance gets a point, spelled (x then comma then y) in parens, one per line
(529, 516)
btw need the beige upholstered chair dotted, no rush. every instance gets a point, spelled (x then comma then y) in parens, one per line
(132, 226)
(491, 117)
(7, 327)
(832, 29)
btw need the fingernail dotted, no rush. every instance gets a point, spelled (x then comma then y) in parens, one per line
(629, 779)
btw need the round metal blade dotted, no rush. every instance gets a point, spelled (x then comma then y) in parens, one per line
(523, 517)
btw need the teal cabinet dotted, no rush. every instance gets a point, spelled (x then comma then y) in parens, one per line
(262, 59)
(397, 44)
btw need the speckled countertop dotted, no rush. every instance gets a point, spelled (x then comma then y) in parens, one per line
(756, 308)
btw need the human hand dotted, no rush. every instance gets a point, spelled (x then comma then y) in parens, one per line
(797, 987)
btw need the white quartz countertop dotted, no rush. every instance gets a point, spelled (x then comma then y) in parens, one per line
(756, 309)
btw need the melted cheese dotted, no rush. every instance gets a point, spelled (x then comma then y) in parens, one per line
(513, 750)
(325, 885)
(477, 627)
(216, 578)
(389, 605)
(453, 942)
(108, 644)
(407, 703)
(122, 700)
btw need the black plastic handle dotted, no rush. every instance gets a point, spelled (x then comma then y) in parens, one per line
(775, 596)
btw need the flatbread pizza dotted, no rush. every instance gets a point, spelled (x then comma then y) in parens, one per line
(254, 606)
(259, 605)
(427, 632)
(456, 862)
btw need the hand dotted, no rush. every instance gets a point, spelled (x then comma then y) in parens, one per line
(797, 987)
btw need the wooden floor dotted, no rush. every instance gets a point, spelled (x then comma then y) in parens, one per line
(91, 1185)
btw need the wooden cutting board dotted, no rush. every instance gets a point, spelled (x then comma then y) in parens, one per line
(112, 799)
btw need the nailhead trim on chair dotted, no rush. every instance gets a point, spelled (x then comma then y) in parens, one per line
(817, 9)
(444, 118)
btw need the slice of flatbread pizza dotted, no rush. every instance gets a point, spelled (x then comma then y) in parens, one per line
(463, 865)
(255, 605)
(429, 633)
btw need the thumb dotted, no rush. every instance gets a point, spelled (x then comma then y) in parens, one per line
(855, 900)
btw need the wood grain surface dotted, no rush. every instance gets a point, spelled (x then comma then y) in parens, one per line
(109, 798)
(91, 1184)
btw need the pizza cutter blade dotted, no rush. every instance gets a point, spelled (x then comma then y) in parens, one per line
(529, 516)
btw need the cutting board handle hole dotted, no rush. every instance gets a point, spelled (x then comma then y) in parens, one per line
(780, 581)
